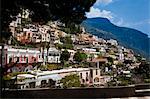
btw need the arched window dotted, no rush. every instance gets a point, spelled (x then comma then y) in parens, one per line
(96, 79)
(83, 80)
(27, 60)
(10, 59)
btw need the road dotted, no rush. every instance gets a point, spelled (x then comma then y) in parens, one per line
(145, 97)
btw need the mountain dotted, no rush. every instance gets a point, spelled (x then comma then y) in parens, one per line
(127, 37)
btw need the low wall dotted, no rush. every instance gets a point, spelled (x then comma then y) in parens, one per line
(142, 86)
(71, 93)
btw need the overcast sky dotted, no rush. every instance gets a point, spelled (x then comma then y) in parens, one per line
(128, 13)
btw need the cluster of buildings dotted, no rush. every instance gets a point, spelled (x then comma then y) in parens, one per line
(29, 56)
(38, 79)
(99, 51)
(35, 33)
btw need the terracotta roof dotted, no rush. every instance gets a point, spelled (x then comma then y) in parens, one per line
(98, 60)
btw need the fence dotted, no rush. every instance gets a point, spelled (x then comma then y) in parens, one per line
(71, 93)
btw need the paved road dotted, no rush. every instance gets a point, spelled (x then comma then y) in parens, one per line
(145, 97)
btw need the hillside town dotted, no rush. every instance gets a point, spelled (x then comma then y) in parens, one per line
(40, 56)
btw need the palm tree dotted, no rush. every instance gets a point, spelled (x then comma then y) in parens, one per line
(47, 47)
(42, 45)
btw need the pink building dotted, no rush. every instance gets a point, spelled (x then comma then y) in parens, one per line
(22, 55)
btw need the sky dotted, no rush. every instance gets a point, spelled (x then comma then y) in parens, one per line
(125, 13)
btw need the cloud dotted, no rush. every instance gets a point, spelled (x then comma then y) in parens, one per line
(119, 22)
(96, 12)
(147, 21)
(104, 2)
(139, 23)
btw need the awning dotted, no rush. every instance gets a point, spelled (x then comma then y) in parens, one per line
(54, 77)
(19, 76)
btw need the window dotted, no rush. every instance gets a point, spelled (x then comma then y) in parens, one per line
(10, 59)
(17, 59)
(91, 73)
(27, 60)
(99, 72)
(83, 80)
(57, 59)
(96, 79)
(24, 58)
(87, 79)
(21, 58)
(81, 75)
(96, 71)
(29, 35)
(50, 54)
(86, 74)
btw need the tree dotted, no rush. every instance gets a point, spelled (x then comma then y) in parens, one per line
(144, 70)
(67, 43)
(47, 47)
(71, 81)
(72, 28)
(65, 55)
(67, 46)
(79, 57)
(42, 11)
(66, 40)
(110, 59)
(142, 73)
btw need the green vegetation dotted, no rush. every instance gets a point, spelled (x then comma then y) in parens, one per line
(67, 46)
(112, 83)
(79, 56)
(49, 67)
(124, 81)
(59, 46)
(110, 59)
(25, 21)
(146, 80)
(67, 43)
(10, 75)
(52, 66)
(71, 81)
(65, 55)
(70, 12)
(64, 46)
(43, 67)
(138, 57)
(72, 28)
(119, 65)
(66, 40)
(143, 70)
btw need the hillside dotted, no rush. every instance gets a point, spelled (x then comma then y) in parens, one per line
(128, 37)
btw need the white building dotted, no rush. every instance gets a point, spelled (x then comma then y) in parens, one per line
(91, 53)
(44, 31)
(112, 42)
(88, 76)
(53, 55)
